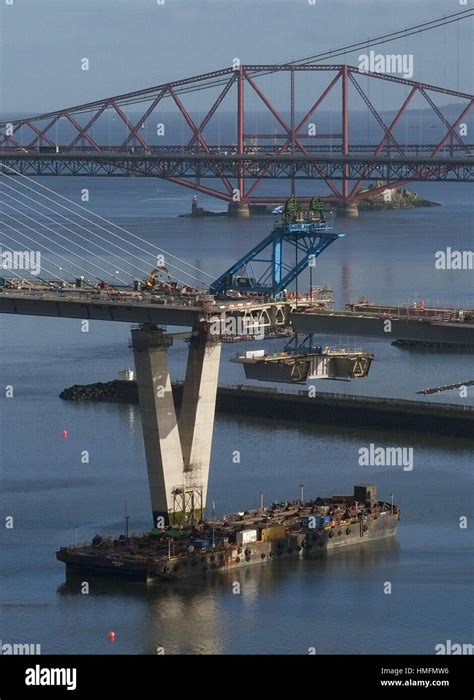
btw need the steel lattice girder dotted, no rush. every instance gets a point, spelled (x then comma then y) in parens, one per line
(192, 166)
(282, 162)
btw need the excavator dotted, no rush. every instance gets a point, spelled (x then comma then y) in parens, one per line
(160, 280)
(153, 280)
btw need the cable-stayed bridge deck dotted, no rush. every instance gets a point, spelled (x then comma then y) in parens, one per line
(93, 306)
(266, 314)
(394, 327)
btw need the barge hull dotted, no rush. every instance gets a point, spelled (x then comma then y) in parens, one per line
(311, 543)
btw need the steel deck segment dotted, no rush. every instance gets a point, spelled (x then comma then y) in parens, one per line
(352, 324)
(357, 324)
(126, 311)
(99, 310)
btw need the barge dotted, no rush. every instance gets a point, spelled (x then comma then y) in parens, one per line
(289, 530)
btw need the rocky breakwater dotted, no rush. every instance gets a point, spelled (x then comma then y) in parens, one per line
(116, 391)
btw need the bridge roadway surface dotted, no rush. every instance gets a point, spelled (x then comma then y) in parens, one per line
(188, 313)
(375, 326)
(100, 308)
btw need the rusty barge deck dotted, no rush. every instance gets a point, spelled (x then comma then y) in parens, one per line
(283, 531)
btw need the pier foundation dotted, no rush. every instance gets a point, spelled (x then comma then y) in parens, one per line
(350, 209)
(240, 210)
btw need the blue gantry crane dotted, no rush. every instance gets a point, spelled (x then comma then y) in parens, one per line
(268, 269)
(294, 244)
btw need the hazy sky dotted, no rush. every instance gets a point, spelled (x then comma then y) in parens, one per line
(138, 43)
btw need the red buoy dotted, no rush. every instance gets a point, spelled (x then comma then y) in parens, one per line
(64, 433)
(111, 636)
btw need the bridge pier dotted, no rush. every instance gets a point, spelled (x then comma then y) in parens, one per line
(240, 210)
(177, 452)
(349, 209)
(196, 418)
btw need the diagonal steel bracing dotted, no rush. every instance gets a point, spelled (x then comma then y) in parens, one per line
(295, 144)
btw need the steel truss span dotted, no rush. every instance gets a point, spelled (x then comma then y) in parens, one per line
(32, 146)
(173, 167)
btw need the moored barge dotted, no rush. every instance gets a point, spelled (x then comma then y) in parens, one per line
(287, 530)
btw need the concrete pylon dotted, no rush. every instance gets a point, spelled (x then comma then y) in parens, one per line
(177, 458)
(159, 424)
(196, 418)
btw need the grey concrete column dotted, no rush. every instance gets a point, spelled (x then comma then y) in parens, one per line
(196, 419)
(159, 424)
(351, 210)
(241, 210)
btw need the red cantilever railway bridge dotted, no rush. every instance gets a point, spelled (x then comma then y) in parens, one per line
(32, 146)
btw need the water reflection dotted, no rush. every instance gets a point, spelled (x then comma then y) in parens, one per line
(197, 616)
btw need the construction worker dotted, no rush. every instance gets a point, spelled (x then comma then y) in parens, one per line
(320, 209)
(292, 211)
(317, 209)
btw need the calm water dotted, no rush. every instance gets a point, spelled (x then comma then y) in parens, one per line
(337, 606)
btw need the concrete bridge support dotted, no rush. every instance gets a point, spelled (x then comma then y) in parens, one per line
(177, 454)
(349, 209)
(241, 210)
(196, 418)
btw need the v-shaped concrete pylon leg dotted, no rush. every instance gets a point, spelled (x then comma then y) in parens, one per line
(160, 429)
(196, 418)
(177, 459)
